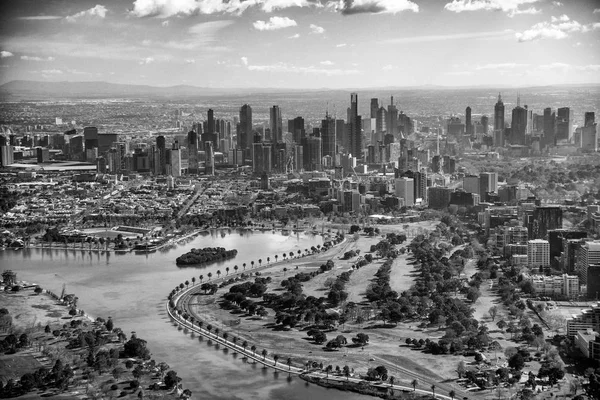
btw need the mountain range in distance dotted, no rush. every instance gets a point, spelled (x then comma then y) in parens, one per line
(25, 89)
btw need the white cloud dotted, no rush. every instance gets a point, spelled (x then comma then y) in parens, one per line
(349, 7)
(51, 71)
(77, 72)
(310, 70)
(296, 36)
(453, 36)
(500, 66)
(35, 58)
(557, 4)
(387, 67)
(165, 23)
(341, 45)
(98, 11)
(244, 60)
(566, 67)
(202, 35)
(40, 17)
(169, 8)
(274, 23)
(316, 29)
(511, 7)
(190, 61)
(596, 11)
(147, 60)
(558, 28)
(326, 62)
(5, 54)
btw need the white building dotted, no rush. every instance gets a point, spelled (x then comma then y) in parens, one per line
(405, 188)
(538, 253)
(588, 253)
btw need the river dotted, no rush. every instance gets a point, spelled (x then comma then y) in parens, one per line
(132, 289)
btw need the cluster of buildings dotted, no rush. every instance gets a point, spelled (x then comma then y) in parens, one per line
(584, 328)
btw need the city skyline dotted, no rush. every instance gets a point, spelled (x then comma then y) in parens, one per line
(303, 44)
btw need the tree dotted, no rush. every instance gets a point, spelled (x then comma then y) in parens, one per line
(501, 324)
(516, 362)
(209, 275)
(346, 371)
(275, 358)
(433, 390)
(493, 311)
(218, 273)
(226, 270)
(109, 324)
(461, 369)
(201, 278)
(193, 280)
(171, 379)
(452, 394)
(264, 354)
(414, 384)
(38, 290)
(253, 348)
(187, 283)
(235, 268)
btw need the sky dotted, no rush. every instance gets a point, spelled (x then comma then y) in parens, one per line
(302, 43)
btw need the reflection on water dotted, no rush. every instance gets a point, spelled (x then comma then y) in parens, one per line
(132, 289)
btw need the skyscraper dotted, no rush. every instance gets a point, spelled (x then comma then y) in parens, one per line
(161, 160)
(484, 124)
(275, 125)
(468, 122)
(549, 127)
(211, 121)
(488, 183)
(380, 121)
(405, 189)
(374, 107)
(499, 122)
(209, 163)
(328, 137)
(563, 124)
(392, 118)
(192, 152)
(174, 158)
(518, 124)
(245, 132)
(355, 122)
(296, 128)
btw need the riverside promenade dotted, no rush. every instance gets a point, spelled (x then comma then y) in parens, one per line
(181, 307)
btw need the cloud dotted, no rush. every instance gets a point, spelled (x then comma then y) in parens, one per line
(147, 60)
(596, 11)
(565, 67)
(349, 7)
(98, 11)
(557, 4)
(169, 8)
(326, 62)
(5, 54)
(511, 7)
(244, 60)
(274, 23)
(558, 28)
(310, 70)
(40, 17)
(387, 67)
(165, 23)
(296, 36)
(341, 45)
(500, 66)
(317, 29)
(202, 35)
(51, 71)
(453, 36)
(190, 61)
(35, 58)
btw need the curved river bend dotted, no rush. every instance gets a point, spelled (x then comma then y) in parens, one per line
(132, 289)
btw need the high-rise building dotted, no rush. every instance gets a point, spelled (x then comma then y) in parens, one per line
(405, 189)
(355, 122)
(90, 136)
(557, 237)
(589, 133)
(439, 197)
(549, 127)
(588, 254)
(192, 140)
(563, 124)
(544, 219)
(210, 125)
(328, 137)
(209, 163)
(174, 160)
(380, 121)
(161, 150)
(488, 183)
(471, 184)
(312, 153)
(518, 124)
(6, 152)
(499, 114)
(392, 118)
(244, 139)
(468, 122)
(538, 253)
(340, 131)
(275, 125)
(374, 107)
(296, 128)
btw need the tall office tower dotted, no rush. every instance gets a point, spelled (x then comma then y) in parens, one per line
(355, 122)
(374, 107)
(488, 183)
(6, 151)
(298, 158)
(312, 153)
(340, 132)
(174, 160)
(90, 136)
(518, 124)
(563, 124)
(558, 237)
(590, 118)
(468, 122)
(106, 141)
(296, 128)
(538, 253)
(275, 125)
(380, 120)
(588, 254)
(589, 133)
(549, 127)
(192, 140)
(529, 129)
(210, 125)
(471, 184)
(499, 123)
(328, 137)
(485, 124)
(209, 163)
(161, 160)
(245, 132)
(405, 189)
(544, 219)
(392, 118)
